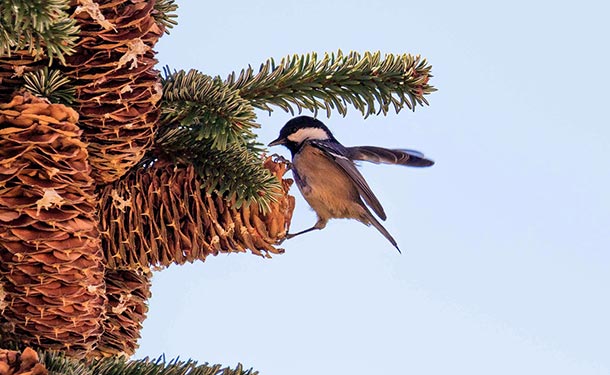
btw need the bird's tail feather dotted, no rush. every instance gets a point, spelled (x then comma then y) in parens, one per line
(383, 231)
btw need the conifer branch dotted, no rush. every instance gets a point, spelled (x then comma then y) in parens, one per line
(207, 124)
(369, 83)
(198, 107)
(119, 366)
(57, 363)
(165, 14)
(50, 84)
(37, 26)
(235, 172)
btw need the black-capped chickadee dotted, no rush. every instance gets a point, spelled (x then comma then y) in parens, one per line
(326, 175)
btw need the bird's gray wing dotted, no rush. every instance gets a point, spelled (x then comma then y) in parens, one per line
(378, 155)
(339, 154)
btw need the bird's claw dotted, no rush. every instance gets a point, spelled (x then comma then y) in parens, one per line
(286, 237)
(280, 159)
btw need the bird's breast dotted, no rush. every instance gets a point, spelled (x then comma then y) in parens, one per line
(324, 185)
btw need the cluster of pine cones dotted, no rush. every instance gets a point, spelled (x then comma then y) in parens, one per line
(80, 227)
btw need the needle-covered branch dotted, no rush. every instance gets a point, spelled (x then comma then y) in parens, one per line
(370, 83)
(234, 173)
(37, 26)
(50, 84)
(198, 108)
(246, 180)
(207, 124)
(165, 14)
(57, 363)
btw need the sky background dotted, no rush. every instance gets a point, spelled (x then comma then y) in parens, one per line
(506, 240)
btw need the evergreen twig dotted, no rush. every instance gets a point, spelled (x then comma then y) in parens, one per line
(207, 124)
(368, 82)
(235, 172)
(50, 84)
(37, 26)
(198, 107)
(165, 14)
(120, 366)
(58, 364)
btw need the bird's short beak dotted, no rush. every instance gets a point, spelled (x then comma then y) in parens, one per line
(279, 141)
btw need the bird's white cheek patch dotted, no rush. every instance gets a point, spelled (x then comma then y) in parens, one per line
(308, 133)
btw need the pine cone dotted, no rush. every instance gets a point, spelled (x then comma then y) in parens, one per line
(161, 215)
(24, 363)
(128, 293)
(116, 83)
(12, 70)
(51, 262)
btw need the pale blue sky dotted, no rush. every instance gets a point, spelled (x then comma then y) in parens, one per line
(506, 242)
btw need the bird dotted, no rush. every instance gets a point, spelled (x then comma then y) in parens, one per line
(326, 175)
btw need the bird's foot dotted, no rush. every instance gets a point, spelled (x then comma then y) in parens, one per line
(280, 159)
(286, 237)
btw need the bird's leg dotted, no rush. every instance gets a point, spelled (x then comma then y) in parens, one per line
(291, 235)
(279, 158)
(320, 224)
